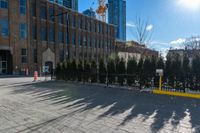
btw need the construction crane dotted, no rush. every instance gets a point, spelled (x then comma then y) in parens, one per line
(101, 11)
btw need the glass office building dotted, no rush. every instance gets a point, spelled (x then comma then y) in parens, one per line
(90, 12)
(117, 17)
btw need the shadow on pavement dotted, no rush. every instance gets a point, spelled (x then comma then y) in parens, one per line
(86, 97)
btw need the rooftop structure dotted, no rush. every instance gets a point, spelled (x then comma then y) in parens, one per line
(90, 13)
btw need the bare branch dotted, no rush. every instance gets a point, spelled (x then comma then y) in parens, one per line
(192, 43)
(143, 36)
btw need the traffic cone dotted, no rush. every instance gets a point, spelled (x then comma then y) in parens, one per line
(35, 76)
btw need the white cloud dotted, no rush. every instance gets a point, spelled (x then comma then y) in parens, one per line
(159, 43)
(130, 24)
(149, 27)
(177, 44)
(178, 41)
(162, 47)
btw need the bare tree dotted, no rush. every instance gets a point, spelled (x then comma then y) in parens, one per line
(142, 33)
(192, 43)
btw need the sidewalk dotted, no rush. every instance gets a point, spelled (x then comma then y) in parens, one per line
(13, 76)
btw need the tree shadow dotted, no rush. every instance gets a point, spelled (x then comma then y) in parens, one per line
(161, 109)
(50, 122)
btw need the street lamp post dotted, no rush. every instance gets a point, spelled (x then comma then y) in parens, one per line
(67, 19)
(107, 73)
(68, 47)
(98, 72)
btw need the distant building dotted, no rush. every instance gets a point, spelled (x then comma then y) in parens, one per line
(181, 53)
(90, 12)
(72, 4)
(134, 50)
(117, 17)
(190, 49)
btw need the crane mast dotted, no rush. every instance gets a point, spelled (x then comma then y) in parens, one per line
(101, 11)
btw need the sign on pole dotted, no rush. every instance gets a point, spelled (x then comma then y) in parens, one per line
(159, 72)
(45, 69)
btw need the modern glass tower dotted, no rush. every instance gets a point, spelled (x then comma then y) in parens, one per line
(90, 12)
(117, 17)
(73, 4)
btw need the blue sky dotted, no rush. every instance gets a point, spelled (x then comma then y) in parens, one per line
(171, 20)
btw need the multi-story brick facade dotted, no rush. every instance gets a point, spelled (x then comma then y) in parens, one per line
(132, 49)
(41, 33)
(174, 54)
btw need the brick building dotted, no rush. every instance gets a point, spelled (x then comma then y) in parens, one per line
(35, 33)
(181, 53)
(132, 49)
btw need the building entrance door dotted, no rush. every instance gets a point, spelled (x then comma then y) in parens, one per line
(3, 67)
(49, 65)
(5, 62)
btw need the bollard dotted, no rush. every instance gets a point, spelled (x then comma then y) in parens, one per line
(160, 83)
(27, 72)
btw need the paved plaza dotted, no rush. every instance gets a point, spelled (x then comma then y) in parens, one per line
(60, 107)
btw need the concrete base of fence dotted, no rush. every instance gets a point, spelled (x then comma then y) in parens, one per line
(179, 94)
(104, 85)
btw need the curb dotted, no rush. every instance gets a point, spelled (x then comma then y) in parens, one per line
(103, 85)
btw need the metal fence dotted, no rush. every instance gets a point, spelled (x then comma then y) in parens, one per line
(190, 82)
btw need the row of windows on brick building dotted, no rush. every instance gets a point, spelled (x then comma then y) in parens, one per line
(65, 18)
(82, 40)
(4, 29)
(81, 55)
(87, 25)
(24, 55)
(4, 24)
(86, 55)
(22, 5)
